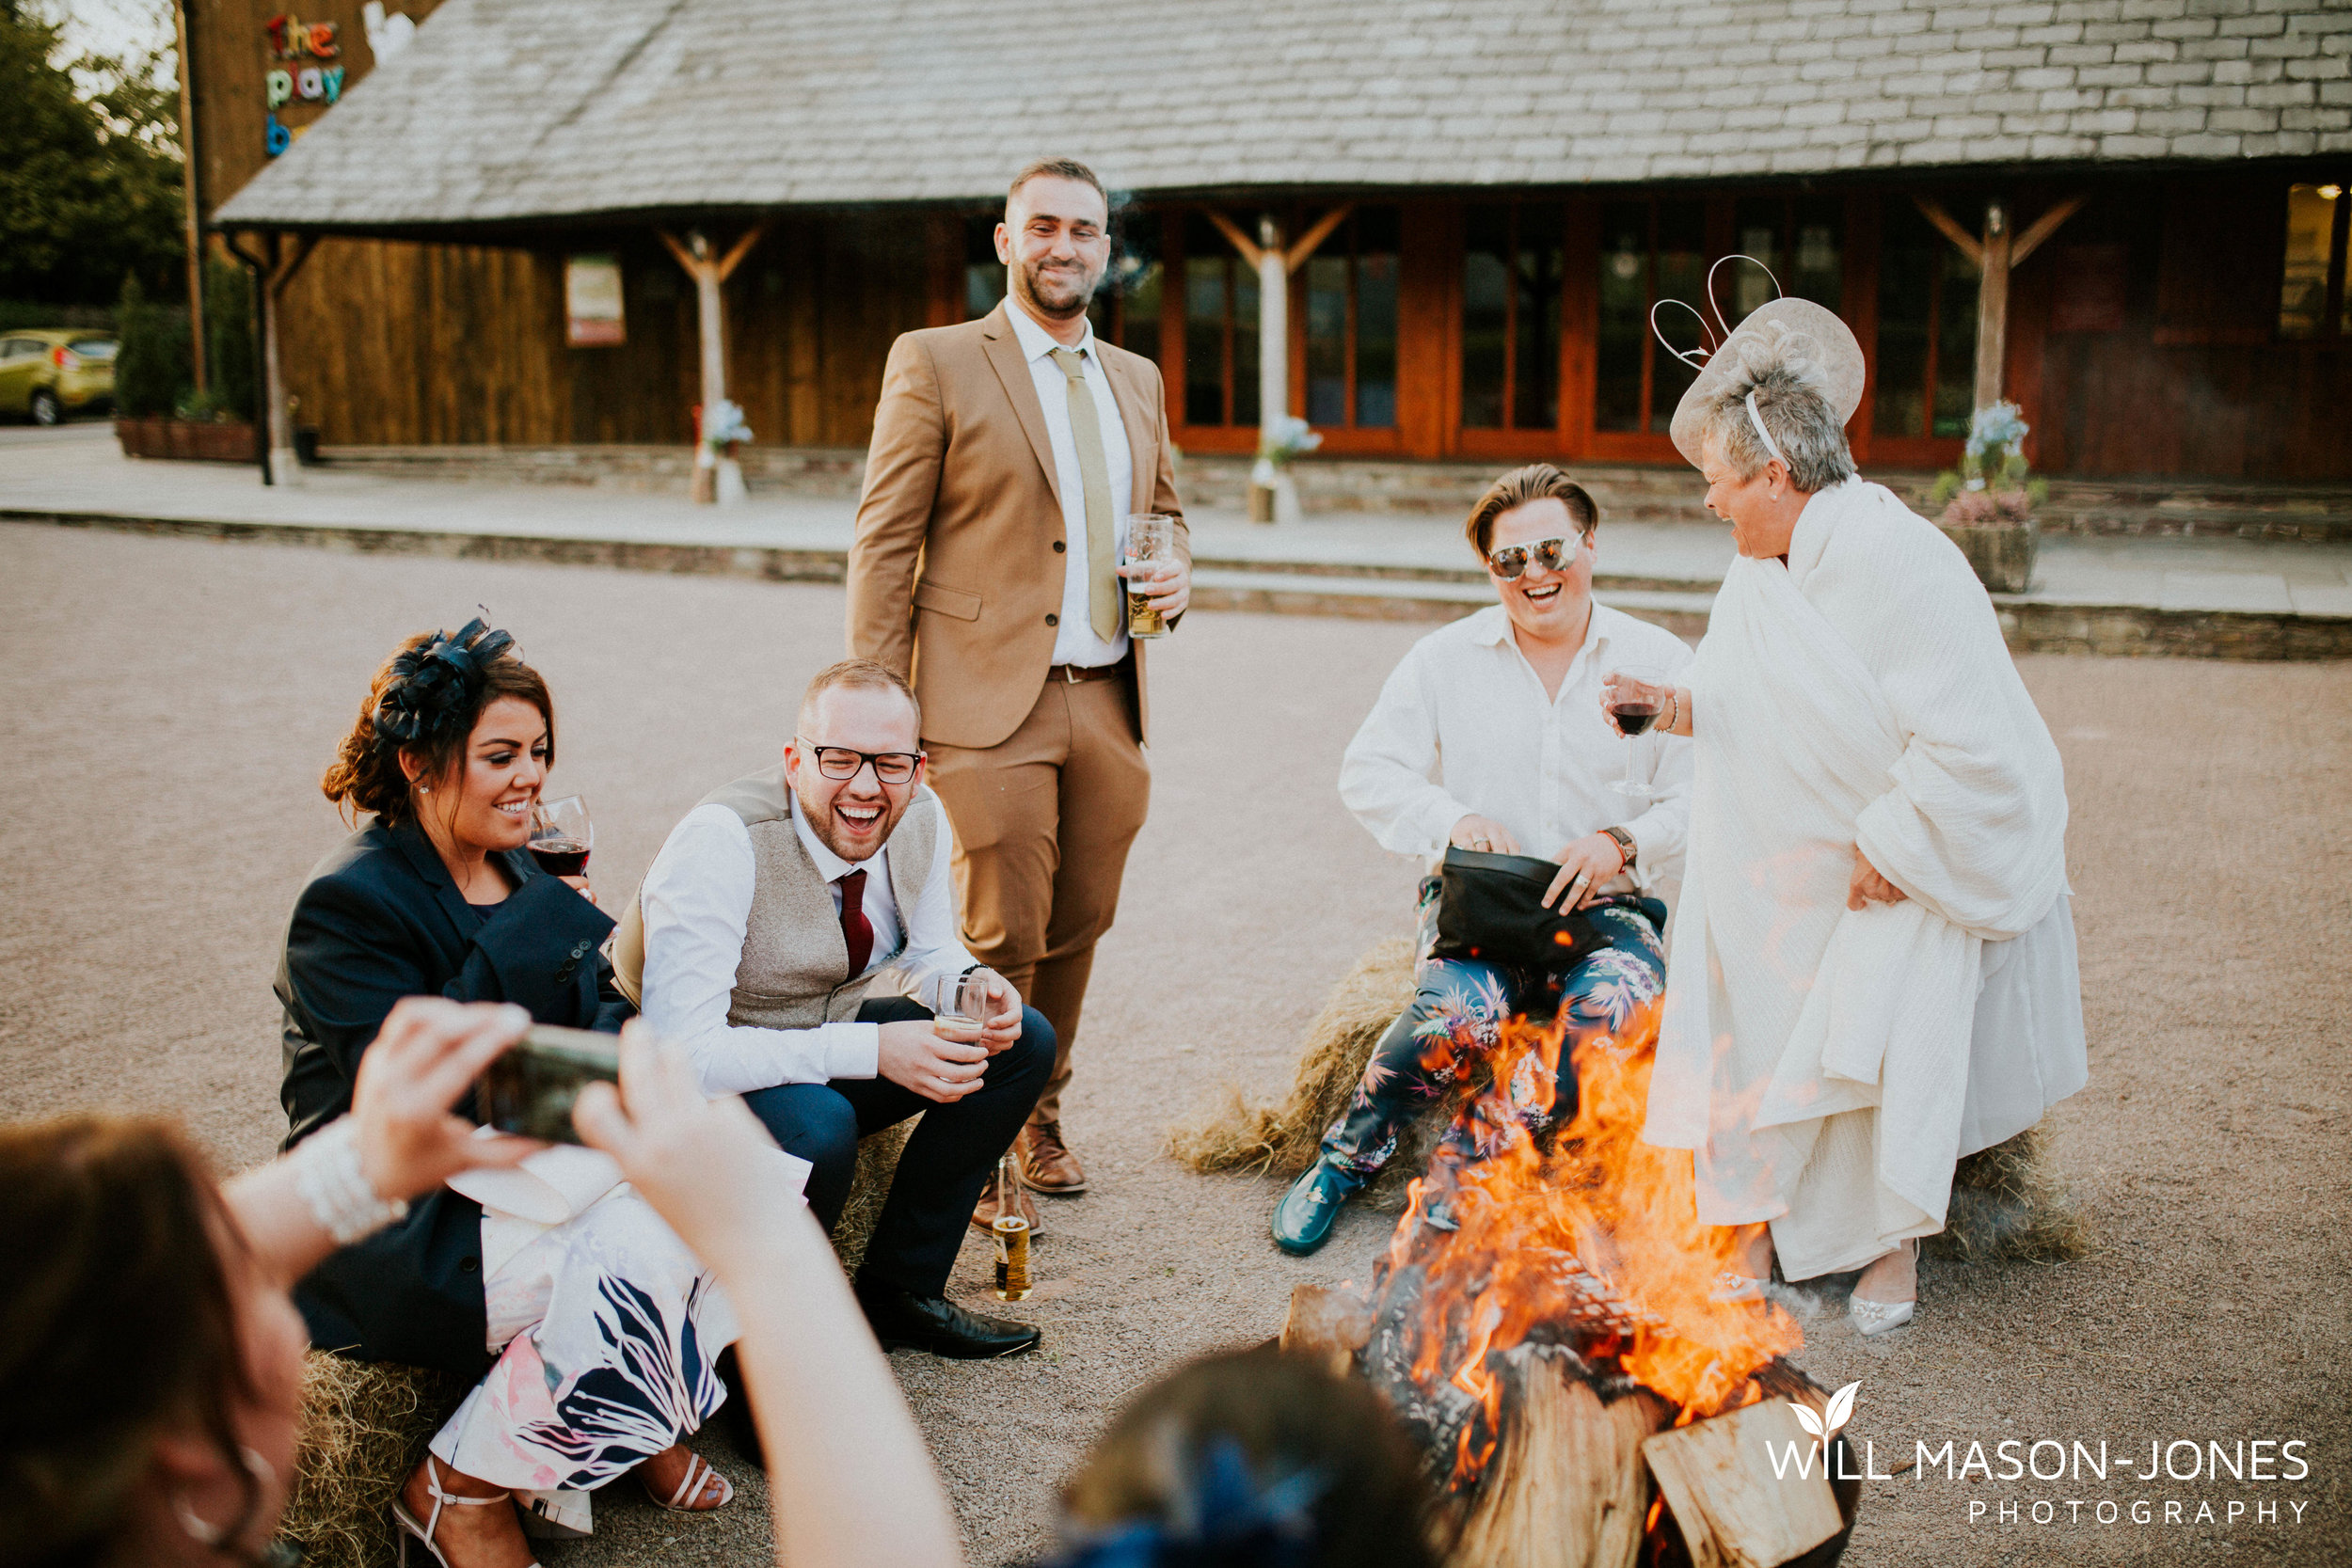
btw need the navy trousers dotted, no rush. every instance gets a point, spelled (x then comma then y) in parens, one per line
(948, 1158)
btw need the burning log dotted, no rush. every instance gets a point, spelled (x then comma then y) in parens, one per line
(1566, 1488)
(1731, 1507)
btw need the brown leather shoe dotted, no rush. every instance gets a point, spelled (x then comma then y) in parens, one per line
(1046, 1163)
(984, 1213)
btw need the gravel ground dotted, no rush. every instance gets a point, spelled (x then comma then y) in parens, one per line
(167, 705)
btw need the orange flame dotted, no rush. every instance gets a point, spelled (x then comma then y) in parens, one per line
(1600, 1235)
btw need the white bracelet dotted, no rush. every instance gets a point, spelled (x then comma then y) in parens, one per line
(328, 1175)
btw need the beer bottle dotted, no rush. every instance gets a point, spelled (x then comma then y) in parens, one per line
(1011, 1233)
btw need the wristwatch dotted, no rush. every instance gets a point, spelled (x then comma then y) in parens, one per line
(1624, 846)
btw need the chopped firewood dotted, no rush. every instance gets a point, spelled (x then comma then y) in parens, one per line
(1566, 1488)
(1733, 1509)
(1330, 1324)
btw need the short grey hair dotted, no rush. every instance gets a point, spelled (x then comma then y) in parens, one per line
(1812, 441)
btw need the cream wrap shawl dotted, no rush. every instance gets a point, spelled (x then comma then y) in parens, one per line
(1827, 1067)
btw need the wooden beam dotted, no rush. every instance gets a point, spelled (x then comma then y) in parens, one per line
(685, 257)
(1295, 257)
(1935, 214)
(741, 248)
(1251, 250)
(2042, 228)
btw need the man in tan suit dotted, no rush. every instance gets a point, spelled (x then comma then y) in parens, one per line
(1007, 452)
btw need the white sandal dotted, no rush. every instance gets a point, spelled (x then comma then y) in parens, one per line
(1733, 1285)
(422, 1535)
(700, 1472)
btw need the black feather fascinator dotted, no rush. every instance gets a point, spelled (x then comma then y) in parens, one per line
(437, 684)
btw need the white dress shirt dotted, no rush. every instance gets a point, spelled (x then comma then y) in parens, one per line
(1463, 726)
(1074, 641)
(697, 903)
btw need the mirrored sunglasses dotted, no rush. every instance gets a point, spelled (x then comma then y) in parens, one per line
(1510, 562)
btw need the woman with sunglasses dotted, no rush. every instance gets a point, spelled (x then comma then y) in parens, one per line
(1488, 737)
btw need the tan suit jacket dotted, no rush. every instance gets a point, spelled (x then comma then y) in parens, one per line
(954, 570)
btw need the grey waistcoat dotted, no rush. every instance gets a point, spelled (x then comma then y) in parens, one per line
(794, 954)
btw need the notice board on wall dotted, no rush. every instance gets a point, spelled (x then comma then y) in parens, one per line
(593, 314)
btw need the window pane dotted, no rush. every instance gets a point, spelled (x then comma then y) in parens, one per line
(1326, 333)
(1757, 226)
(1815, 269)
(1956, 349)
(1134, 275)
(1245, 344)
(2310, 233)
(1536, 390)
(983, 275)
(1376, 337)
(1204, 337)
(1624, 315)
(1908, 258)
(1485, 282)
(1681, 275)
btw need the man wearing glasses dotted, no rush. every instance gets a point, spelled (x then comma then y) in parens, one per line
(776, 906)
(1491, 736)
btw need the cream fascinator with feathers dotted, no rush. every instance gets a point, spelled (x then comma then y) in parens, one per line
(1792, 335)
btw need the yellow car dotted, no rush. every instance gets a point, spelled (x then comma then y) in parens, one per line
(46, 376)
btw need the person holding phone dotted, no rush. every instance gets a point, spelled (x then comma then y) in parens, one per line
(771, 937)
(558, 1324)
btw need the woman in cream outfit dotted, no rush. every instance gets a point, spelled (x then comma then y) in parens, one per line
(1873, 968)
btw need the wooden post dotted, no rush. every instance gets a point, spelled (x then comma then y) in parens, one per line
(711, 273)
(1995, 257)
(1992, 304)
(273, 272)
(1273, 265)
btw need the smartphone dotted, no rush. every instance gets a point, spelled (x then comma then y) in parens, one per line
(530, 1090)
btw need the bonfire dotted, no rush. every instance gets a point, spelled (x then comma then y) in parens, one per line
(1549, 1325)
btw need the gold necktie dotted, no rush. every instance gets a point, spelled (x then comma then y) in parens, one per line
(1094, 474)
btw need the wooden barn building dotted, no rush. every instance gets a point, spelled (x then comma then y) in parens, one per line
(505, 212)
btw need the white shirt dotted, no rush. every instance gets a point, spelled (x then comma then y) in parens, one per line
(697, 903)
(1074, 641)
(1463, 726)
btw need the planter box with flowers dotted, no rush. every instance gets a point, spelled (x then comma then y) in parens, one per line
(188, 440)
(1988, 505)
(1273, 495)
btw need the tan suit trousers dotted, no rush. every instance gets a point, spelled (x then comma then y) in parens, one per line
(1044, 821)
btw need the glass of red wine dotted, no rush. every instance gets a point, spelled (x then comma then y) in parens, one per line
(1635, 702)
(561, 835)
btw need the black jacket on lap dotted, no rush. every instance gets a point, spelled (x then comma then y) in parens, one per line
(380, 919)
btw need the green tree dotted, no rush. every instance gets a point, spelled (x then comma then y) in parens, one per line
(153, 369)
(89, 168)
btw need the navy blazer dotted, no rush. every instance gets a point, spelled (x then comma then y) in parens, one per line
(380, 919)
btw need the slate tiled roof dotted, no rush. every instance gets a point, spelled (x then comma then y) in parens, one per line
(516, 109)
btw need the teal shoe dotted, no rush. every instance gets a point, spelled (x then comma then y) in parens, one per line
(1304, 1217)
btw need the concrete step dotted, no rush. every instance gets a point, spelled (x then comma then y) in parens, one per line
(1626, 493)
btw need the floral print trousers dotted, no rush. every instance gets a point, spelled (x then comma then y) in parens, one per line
(1455, 1023)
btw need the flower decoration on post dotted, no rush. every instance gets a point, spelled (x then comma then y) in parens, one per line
(1273, 495)
(1988, 503)
(718, 477)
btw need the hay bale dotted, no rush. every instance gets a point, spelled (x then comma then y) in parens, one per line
(877, 1165)
(2010, 1203)
(1282, 1140)
(365, 1425)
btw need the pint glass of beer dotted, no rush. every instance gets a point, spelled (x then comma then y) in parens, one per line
(1150, 537)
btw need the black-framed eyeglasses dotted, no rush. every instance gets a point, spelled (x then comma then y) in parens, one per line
(840, 762)
(1510, 562)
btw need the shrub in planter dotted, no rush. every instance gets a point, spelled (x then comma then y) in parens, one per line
(1988, 505)
(153, 368)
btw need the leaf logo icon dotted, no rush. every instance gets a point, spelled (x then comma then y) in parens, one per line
(1825, 1427)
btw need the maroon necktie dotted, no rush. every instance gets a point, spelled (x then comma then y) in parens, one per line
(856, 930)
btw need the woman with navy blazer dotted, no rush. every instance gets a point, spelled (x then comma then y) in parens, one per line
(438, 895)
